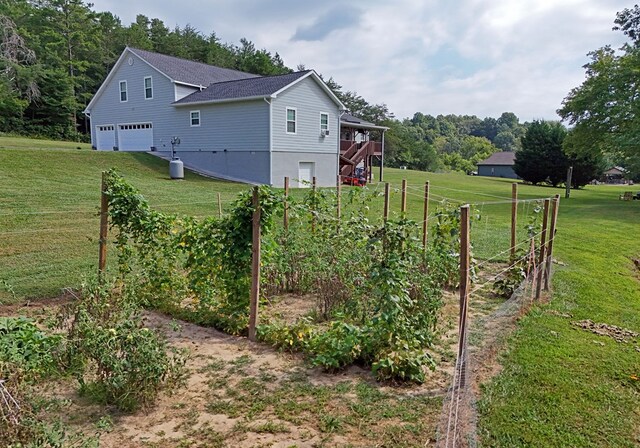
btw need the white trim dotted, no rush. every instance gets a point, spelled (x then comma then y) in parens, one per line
(322, 84)
(106, 81)
(189, 84)
(112, 73)
(352, 125)
(144, 85)
(270, 141)
(295, 120)
(313, 74)
(308, 151)
(191, 112)
(228, 100)
(327, 115)
(152, 66)
(126, 90)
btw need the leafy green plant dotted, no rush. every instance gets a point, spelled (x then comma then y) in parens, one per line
(507, 283)
(26, 347)
(127, 364)
(171, 260)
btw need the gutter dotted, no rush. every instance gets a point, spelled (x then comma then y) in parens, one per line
(229, 100)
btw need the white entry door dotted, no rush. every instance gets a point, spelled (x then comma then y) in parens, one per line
(105, 137)
(135, 137)
(305, 174)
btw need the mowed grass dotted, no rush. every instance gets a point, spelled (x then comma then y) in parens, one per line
(560, 386)
(49, 204)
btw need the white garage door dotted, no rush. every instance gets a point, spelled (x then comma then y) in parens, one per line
(135, 137)
(105, 137)
(305, 174)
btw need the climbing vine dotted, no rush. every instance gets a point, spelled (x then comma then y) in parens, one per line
(377, 290)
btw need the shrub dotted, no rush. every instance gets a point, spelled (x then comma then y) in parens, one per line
(127, 363)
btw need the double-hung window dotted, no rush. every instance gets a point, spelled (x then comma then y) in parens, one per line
(195, 118)
(123, 91)
(291, 120)
(148, 88)
(324, 124)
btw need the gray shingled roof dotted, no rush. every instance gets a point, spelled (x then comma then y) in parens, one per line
(244, 88)
(348, 120)
(190, 72)
(500, 158)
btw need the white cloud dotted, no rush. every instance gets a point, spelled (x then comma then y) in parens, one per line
(478, 57)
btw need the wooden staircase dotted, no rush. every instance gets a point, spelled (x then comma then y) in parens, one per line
(353, 156)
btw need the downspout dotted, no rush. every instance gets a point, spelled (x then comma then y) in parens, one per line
(338, 144)
(270, 140)
(382, 155)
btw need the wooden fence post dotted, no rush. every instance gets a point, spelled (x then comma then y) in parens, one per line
(543, 246)
(552, 234)
(425, 216)
(313, 210)
(567, 191)
(104, 228)
(385, 211)
(514, 219)
(255, 265)
(464, 285)
(403, 204)
(286, 203)
(219, 206)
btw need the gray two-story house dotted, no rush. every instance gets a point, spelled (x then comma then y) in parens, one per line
(231, 124)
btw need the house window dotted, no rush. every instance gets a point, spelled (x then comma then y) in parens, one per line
(148, 88)
(324, 124)
(123, 91)
(195, 118)
(291, 120)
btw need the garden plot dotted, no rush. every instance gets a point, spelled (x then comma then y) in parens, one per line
(240, 393)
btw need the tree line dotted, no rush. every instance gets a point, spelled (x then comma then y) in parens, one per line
(54, 55)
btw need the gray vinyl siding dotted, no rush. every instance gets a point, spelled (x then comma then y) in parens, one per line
(109, 110)
(309, 100)
(505, 171)
(182, 91)
(287, 163)
(288, 150)
(243, 166)
(241, 127)
(238, 126)
(232, 140)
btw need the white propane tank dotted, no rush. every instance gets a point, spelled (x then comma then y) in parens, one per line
(176, 169)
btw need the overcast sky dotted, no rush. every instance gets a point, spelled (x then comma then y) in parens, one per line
(476, 57)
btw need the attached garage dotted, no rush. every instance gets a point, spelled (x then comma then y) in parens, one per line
(105, 137)
(135, 137)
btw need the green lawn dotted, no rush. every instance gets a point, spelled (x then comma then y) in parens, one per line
(49, 201)
(560, 386)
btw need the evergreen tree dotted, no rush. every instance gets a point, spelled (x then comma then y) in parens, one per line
(541, 157)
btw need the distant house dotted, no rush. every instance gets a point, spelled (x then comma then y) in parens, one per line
(231, 124)
(499, 164)
(613, 175)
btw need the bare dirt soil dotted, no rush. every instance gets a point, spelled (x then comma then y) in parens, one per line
(243, 394)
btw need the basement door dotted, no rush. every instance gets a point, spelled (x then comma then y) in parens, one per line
(105, 137)
(305, 174)
(135, 137)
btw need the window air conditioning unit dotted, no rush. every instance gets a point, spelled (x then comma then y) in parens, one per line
(324, 132)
